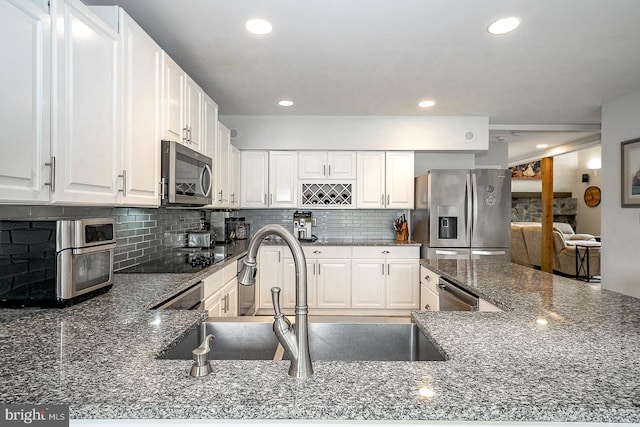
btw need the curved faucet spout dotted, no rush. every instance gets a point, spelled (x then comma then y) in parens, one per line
(297, 346)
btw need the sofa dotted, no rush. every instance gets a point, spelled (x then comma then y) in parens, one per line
(526, 247)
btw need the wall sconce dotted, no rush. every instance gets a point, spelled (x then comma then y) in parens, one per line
(595, 165)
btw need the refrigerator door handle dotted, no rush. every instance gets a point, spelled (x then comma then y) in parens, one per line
(485, 252)
(468, 209)
(474, 197)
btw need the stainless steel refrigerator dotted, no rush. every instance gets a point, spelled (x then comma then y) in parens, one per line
(463, 213)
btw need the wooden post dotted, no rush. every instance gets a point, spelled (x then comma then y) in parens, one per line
(547, 214)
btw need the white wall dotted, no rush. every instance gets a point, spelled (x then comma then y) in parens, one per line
(418, 133)
(620, 226)
(565, 170)
(588, 218)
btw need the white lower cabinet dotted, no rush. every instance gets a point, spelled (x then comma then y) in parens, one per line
(429, 299)
(221, 292)
(343, 279)
(386, 277)
(270, 272)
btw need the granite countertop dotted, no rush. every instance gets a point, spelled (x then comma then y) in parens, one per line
(564, 351)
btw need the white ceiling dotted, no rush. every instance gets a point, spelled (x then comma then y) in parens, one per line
(380, 57)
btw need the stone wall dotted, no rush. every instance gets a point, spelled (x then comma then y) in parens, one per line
(565, 209)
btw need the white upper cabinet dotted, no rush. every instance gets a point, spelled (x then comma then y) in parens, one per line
(322, 165)
(370, 189)
(234, 177)
(193, 115)
(221, 182)
(85, 145)
(255, 179)
(385, 180)
(142, 84)
(210, 128)
(183, 103)
(283, 172)
(173, 100)
(25, 40)
(399, 180)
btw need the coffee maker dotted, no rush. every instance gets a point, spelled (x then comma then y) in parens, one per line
(302, 225)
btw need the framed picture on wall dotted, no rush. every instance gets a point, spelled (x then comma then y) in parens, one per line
(529, 170)
(631, 173)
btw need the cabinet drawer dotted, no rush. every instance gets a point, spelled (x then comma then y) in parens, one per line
(213, 283)
(322, 252)
(429, 279)
(386, 252)
(229, 272)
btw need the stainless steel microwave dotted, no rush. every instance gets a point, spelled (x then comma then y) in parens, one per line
(186, 176)
(55, 263)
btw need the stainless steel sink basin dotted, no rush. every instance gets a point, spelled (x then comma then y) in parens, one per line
(252, 338)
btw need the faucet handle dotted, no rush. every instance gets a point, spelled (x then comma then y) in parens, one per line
(275, 297)
(201, 365)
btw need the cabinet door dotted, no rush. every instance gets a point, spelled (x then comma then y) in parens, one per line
(283, 172)
(230, 295)
(334, 283)
(87, 138)
(399, 179)
(341, 165)
(288, 295)
(403, 284)
(142, 82)
(213, 304)
(193, 114)
(234, 178)
(209, 128)
(25, 38)
(312, 165)
(429, 300)
(370, 192)
(221, 197)
(173, 83)
(270, 273)
(368, 283)
(254, 179)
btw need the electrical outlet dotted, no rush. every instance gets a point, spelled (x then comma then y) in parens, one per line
(314, 223)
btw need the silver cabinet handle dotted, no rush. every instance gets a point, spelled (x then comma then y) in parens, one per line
(382, 200)
(314, 269)
(427, 278)
(329, 170)
(317, 252)
(319, 265)
(52, 174)
(264, 200)
(427, 307)
(233, 197)
(324, 170)
(220, 193)
(279, 257)
(382, 265)
(124, 183)
(271, 199)
(185, 137)
(386, 252)
(388, 199)
(162, 189)
(388, 270)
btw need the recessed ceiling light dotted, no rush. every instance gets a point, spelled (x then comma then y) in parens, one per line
(503, 26)
(258, 26)
(285, 103)
(426, 103)
(542, 145)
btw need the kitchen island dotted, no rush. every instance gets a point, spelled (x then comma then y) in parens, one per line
(562, 351)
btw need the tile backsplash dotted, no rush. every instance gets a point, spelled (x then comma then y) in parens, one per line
(142, 233)
(360, 224)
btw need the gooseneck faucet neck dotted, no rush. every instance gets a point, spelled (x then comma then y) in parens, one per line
(296, 347)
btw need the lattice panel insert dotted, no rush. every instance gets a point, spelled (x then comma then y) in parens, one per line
(327, 194)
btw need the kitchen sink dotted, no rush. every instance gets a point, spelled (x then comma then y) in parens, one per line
(365, 339)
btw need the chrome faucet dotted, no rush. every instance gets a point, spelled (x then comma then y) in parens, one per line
(294, 339)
